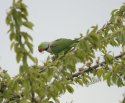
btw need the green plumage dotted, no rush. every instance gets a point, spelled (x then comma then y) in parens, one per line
(57, 46)
(60, 45)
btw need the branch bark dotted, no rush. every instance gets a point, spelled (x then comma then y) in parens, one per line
(83, 70)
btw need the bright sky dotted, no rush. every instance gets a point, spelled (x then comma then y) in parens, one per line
(62, 18)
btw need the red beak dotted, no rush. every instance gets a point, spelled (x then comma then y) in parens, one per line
(40, 49)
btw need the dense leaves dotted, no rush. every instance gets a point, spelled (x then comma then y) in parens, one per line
(44, 84)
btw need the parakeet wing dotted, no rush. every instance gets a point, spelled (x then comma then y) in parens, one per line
(61, 45)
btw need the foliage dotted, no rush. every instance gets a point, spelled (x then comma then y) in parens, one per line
(44, 84)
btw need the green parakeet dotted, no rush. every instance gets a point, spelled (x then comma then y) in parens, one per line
(57, 46)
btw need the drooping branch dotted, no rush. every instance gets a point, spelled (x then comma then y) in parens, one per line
(83, 70)
(88, 69)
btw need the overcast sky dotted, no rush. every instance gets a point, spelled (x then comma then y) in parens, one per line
(62, 18)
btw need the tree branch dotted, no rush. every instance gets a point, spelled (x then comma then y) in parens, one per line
(83, 70)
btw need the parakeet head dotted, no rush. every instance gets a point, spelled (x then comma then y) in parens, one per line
(43, 46)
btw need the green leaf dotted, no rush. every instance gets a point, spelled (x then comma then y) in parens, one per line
(99, 72)
(114, 78)
(19, 57)
(122, 8)
(30, 37)
(83, 44)
(80, 54)
(8, 18)
(30, 46)
(17, 18)
(16, 47)
(114, 11)
(69, 88)
(12, 45)
(113, 42)
(12, 36)
(94, 29)
(85, 80)
(23, 16)
(108, 58)
(26, 36)
(79, 81)
(11, 28)
(28, 24)
(107, 76)
(23, 69)
(120, 82)
(23, 9)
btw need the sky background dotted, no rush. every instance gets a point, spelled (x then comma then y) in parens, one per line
(62, 19)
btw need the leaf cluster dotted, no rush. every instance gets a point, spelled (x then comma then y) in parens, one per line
(44, 84)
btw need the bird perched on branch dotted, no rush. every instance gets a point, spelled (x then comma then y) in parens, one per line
(57, 46)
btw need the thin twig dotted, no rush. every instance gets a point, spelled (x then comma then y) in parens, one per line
(95, 66)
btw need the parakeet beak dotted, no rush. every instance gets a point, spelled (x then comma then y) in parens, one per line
(40, 49)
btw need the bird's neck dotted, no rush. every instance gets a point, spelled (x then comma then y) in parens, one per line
(48, 49)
